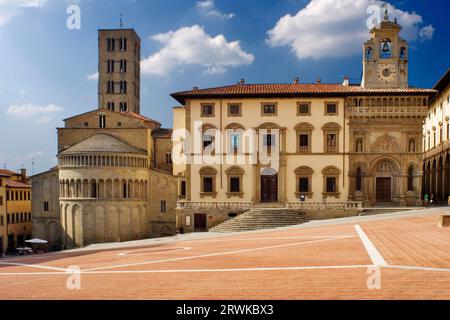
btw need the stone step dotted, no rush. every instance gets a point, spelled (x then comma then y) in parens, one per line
(262, 218)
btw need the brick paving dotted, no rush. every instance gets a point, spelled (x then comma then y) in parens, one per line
(319, 262)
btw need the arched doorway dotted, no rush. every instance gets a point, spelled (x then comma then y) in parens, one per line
(384, 181)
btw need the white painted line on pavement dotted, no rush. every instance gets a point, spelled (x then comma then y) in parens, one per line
(374, 255)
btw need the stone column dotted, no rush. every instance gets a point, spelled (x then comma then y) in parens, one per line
(282, 196)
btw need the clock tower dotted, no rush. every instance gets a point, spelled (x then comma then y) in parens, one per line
(385, 62)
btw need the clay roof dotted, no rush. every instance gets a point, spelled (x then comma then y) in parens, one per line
(7, 173)
(138, 116)
(16, 184)
(290, 90)
(103, 143)
(162, 133)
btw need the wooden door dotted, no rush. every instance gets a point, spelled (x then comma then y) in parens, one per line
(269, 189)
(200, 222)
(384, 190)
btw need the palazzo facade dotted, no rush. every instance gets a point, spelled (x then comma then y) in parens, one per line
(337, 145)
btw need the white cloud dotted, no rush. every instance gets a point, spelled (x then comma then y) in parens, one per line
(93, 77)
(337, 28)
(208, 8)
(10, 8)
(41, 114)
(192, 46)
(427, 32)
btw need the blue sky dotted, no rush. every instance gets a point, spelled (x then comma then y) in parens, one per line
(44, 66)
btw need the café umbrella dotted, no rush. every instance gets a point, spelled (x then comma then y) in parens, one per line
(36, 241)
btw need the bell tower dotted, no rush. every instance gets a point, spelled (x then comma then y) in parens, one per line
(385, 57)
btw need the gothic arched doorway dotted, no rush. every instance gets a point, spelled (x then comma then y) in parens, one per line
(384, 181)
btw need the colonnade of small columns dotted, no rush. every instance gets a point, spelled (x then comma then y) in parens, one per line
(102, 161)
(103, 189)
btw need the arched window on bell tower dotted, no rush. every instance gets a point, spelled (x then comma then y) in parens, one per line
(386, 49)
(369, 53)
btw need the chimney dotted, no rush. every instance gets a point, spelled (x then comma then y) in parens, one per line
(319, 81)
(242, 81)
(23, 174)
(296, 80)
(346, 81)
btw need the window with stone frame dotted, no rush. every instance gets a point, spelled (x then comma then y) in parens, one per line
(331, 182)
(208, 135)
(303, 108)
(208, 182)
(207, 110)
(331, 108)
(331, 137)
(235, 176)
(269, 109)
(303, 177)
(234, 109)
(304, 133)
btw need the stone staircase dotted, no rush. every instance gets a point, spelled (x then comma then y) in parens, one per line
(262, 218)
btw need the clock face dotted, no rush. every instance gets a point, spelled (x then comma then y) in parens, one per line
(386, 72)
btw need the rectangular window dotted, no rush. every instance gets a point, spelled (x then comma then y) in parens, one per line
(111, 44)
(2, 222)
(269, 140)
(303, 184)
(7, 195)
(123, 107)
(331, 142)
(123, 66)
(163, 206)
(123, 44)
(46, 206)
(269, 109)
(208, 184)
(13, 218)
(183, 189)
(123, 87)
(207, 140)
(102, 121)
(207, 110)
(234, 142)
(331, 108)
(234, 110)
(1, 201)
(304, 143)
(331, 184)
(8, 219)
(235, 185)
(110, 87)
(304, 108)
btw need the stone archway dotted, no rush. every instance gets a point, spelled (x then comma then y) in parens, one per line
(385, 181)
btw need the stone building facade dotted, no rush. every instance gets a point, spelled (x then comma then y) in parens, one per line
(337, 145)
(436, 143)
(113, 181)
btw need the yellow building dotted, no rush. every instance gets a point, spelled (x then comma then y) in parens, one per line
(337, 146)
(436, 141)
(15, 210)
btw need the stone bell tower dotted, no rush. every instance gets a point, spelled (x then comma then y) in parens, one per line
(119, 70)
(385, 62)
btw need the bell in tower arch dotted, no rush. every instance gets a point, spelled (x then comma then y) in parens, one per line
(385, 48)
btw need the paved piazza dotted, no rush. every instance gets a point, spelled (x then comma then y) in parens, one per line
(318, 260)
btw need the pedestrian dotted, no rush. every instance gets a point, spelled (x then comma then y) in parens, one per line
(426, 199)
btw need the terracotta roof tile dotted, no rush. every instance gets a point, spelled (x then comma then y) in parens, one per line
(288, 89)
(138, 116)
(16, 184)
